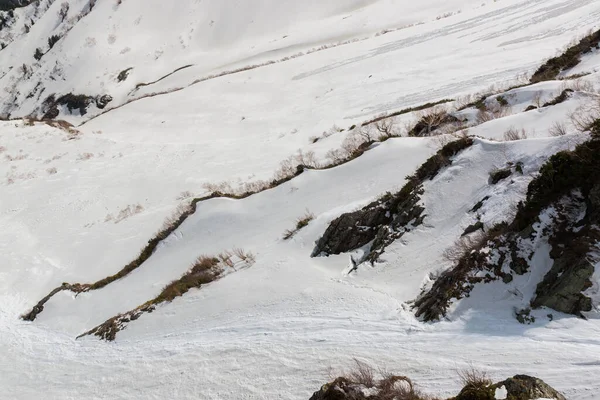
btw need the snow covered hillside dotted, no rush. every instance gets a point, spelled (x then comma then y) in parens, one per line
(239, 195)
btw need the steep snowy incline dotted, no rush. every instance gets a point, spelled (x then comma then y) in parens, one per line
(97, 40)
(77, 203)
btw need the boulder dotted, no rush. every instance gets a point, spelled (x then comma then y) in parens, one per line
(353, 230)
(562, 287)
(524, 387)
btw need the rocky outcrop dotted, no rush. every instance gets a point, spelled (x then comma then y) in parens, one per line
(562, 287)
(571, 273)
(12, 4)
(524, 387)
(567, 193)
(353, 230)
(388, 218)
(73, 102)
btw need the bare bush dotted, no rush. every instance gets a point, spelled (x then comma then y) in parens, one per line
(307, 159)
(430, 119)
(362, 374)
(578, 85)
(464, 246)
(513, 133)
(558, 129)
(474, 378)
(386, 129)
(64, 11)
(185, 195)
(537, 99)
(585, 115)
(244, 255)
(491, 112)
(388, 387)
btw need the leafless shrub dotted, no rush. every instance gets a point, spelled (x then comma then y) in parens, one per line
(128, 211)
(51, 171)
(464, 246)
(2, 149)
(386, 129)
(513, 133)
(474, 378)
(430, 119)
(558, 129)
(307, 159)
(225, 258)
(244, 255)
(353, 141)
(185, 195)
(585, 115)
(491, 112)
(362, 374)
(537, 99)
(388, 387)
(578, 85)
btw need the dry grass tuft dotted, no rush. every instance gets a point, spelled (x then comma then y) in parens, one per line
(301, 222)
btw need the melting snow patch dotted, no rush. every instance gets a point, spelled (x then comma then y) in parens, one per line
(501, 393)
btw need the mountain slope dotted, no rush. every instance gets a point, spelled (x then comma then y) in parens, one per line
(281, 116)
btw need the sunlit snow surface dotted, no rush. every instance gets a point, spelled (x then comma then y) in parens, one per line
(273, 330)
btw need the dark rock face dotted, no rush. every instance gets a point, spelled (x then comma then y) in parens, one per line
(353, 230)
(497, 176)
(562, 286)
(387, 219)
(523, 387)
(12, 4)
(73, 102)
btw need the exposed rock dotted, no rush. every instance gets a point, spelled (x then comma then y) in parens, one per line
(523, 387)
(561, 98)
(353, 230)
(562, 287)
(479, 204)
(11, 4)
(524, 316)
(123, 75)
(73, 102)
(473, 228)
(102, 101)
(388, 218)
(498, 175)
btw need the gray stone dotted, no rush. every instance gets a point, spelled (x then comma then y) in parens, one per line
(523, 387)
(562, 287)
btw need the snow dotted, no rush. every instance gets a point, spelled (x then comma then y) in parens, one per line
(78, 207)
(501, 393)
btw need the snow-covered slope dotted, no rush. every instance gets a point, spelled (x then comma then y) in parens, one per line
(209, 91)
